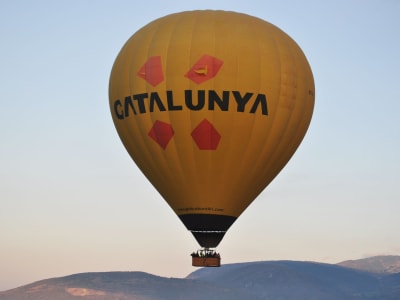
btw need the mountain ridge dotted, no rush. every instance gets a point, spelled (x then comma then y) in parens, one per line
(376, 264)
(278, 280)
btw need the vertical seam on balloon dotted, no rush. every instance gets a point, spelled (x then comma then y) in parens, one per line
(144, 131)
(191, 121)
(131, 73)
(260, 88)
(225, 172)
(303, 123)
(169, 114)
(278, 148)
(251, 135)
(271, 120)
(211, 155)
(294, 144)
(168, 173)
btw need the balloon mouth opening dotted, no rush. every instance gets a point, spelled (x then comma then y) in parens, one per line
(208, 239)
(207, 229)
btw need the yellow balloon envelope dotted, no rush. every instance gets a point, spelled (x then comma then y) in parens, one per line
(211, 105)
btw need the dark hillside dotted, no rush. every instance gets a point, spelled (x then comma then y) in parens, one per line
(376, 264)
(119, 285)
(267, 280)
(294, 280)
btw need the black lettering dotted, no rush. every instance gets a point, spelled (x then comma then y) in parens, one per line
(241, 101)
(214, 98)
(170, 101)
(118, 111)
(140, 99)
(260, 100)
(128, 103)
(201, 98)
(155, 99)
(123, 109)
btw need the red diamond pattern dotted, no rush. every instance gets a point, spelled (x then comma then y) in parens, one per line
(152, 71)
(204, 69)
(161, 133)
(206, 136)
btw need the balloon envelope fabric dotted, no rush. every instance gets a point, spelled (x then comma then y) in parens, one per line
(211, 105)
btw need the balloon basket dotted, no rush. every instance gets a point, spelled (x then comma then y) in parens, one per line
(206, 258)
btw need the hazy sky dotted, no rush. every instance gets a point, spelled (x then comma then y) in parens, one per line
(73, 201)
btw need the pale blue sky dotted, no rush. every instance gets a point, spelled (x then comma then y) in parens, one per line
(73, 201)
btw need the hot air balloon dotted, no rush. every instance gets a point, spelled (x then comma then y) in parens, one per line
(210, 105)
